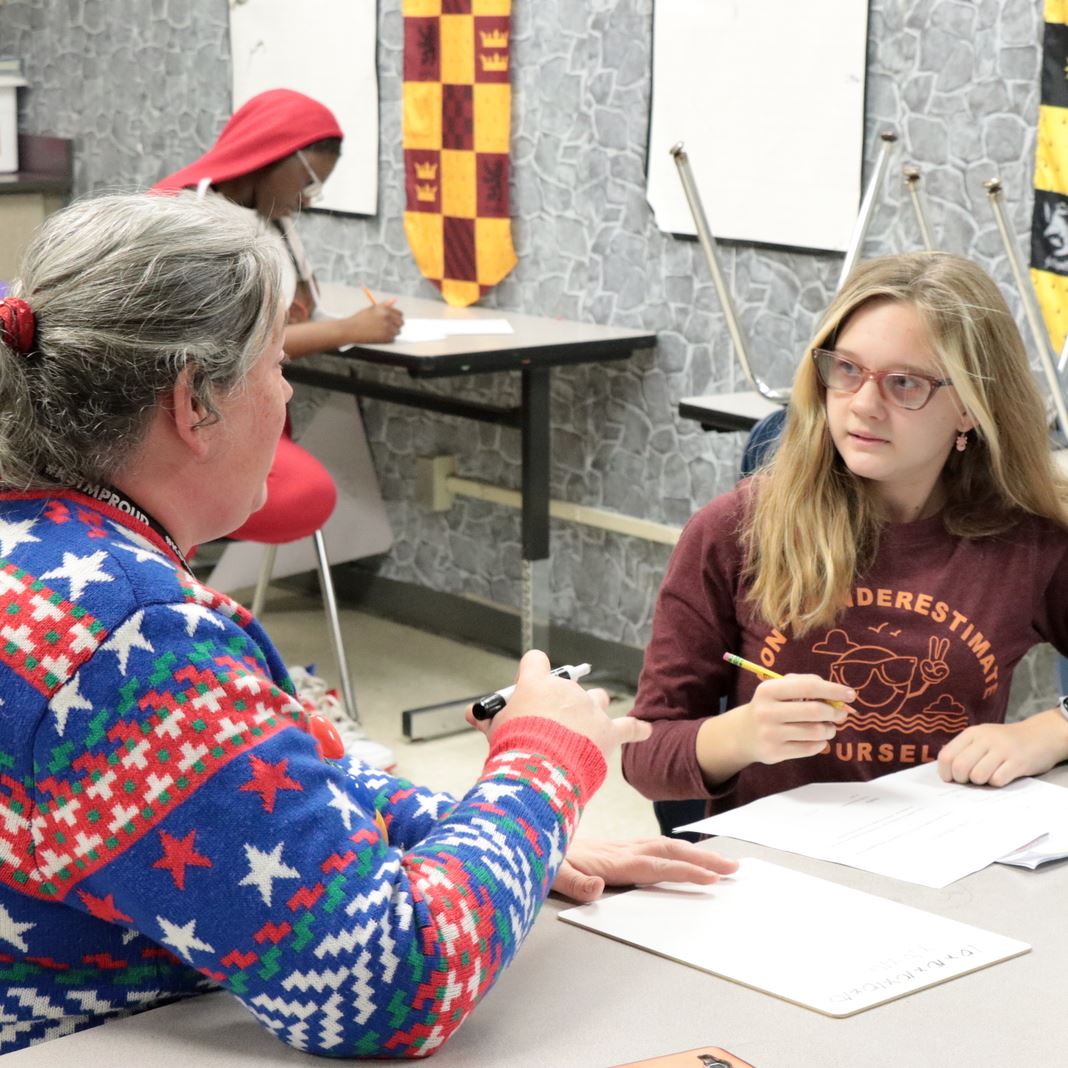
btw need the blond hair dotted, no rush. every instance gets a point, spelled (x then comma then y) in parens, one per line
(814, 526)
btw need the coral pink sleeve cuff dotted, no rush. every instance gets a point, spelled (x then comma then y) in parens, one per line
(574, 752)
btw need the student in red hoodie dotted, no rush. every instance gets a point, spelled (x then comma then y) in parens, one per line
(272, 157)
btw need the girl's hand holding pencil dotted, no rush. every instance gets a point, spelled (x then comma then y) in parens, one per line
(762, 672)
(789, 716)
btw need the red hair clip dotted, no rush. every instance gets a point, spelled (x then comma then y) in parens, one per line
(18, 325)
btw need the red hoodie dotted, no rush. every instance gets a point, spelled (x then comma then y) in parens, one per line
(265, 129)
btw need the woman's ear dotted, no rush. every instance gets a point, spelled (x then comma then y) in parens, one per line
(188, 413)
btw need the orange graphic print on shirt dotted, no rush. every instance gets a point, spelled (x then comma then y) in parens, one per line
(910, 685)
(885, 681)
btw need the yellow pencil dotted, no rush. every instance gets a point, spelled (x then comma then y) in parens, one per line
(369, 295)
(380, 823)
(763, 672)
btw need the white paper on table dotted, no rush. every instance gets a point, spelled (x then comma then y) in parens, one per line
(774, 929)
(909, 825)
(1051, 846)
(415, 330)
(1042, 850)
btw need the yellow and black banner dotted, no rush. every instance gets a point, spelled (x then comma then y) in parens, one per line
(456, 129)
(1049, 222)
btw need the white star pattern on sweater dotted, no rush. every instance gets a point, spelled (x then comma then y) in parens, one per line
(143, 550)
(194, 614)
(80, 571)
(14, 534)
(264, 868)
(433, 805)
(494, 791)
(67, 699)
(10, 931)
(184, 938)
(126, 638)
(344, 804)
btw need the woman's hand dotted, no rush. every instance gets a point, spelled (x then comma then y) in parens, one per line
(787, 718)
(995, 754)
(591, 865)
(539, 693)
(374, 325)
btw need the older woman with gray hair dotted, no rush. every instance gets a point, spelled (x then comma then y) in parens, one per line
(168, 822)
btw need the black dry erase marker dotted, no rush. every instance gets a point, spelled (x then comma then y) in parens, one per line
(487, 707)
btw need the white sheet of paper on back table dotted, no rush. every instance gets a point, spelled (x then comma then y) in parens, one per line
(773, 929)
(909, 825)
(415, 330)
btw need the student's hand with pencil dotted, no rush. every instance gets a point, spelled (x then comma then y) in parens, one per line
(787, 718)
(374, 325)
(996, 754)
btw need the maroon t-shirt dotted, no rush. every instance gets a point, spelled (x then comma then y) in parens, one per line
(929, 641)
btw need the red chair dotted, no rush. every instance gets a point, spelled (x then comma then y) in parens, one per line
(301, 496)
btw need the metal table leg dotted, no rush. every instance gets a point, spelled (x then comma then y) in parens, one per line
(537, 462)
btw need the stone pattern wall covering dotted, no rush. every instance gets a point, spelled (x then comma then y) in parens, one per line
(143, 85)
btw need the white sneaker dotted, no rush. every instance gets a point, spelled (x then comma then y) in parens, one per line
(312, 692)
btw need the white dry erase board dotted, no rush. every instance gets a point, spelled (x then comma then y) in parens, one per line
(769, 100)
(325, 48)
(806, 940)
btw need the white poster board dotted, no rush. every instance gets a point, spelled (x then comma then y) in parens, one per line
(325, 48)
(768, 99)
(806, 940)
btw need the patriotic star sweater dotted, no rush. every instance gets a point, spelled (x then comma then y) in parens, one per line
(167, 826)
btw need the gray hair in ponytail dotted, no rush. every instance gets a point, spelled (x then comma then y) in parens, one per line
(128, 291)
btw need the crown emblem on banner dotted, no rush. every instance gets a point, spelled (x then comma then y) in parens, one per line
(426, 171)
(495, 62)
(496, 39)
(426, 192)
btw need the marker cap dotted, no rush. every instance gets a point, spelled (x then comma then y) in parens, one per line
(488, 707)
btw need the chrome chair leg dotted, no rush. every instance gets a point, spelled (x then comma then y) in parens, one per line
(326, 584)
(264, 579)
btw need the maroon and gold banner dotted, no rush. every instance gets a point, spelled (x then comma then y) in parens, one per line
(457, 117)
(1049, 219)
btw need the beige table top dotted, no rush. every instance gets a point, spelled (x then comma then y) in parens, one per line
(535, 341)
(573, 998)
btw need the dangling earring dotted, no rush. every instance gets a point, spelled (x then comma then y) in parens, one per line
(962, 441)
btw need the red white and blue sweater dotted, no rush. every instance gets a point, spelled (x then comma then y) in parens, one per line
(167, 827)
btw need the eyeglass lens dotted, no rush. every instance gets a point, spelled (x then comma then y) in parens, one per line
(898, 387)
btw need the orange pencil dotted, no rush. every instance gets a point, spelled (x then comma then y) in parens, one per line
(369, 295)
(763, 672)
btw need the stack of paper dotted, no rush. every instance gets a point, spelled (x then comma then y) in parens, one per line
(910, 825)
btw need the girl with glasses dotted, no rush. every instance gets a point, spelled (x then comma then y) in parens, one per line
(904, 548)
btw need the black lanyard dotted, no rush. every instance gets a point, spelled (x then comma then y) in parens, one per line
(119, 501)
